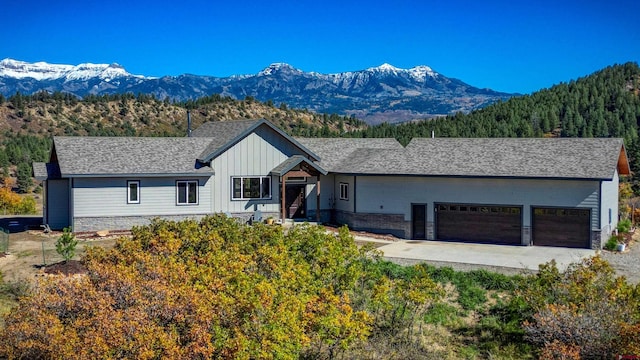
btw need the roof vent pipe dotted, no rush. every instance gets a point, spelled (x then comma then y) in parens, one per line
(433, 134)
(188, 123)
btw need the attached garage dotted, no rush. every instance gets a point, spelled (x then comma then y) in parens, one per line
(479, 223)
(566, 227)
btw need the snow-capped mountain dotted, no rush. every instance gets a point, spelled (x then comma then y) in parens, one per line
(45, 71)
(382, 93)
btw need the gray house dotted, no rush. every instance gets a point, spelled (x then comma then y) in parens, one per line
(93, 183)
(553, 192)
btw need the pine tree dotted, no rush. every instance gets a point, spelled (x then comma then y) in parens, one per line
(24, 177)
(66, 245)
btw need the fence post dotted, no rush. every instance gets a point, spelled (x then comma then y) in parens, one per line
(4, 240)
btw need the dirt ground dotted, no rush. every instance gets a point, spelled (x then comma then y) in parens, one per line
(627, 262)
(32, 252)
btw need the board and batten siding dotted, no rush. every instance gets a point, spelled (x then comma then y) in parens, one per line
(255, 155)
(609, 200)
(395, 194)
(104, 197)
(327, 191)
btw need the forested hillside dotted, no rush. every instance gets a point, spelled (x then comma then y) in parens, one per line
(27, 122)
(604, 104)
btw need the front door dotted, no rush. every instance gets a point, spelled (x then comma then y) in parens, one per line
(419, 221)
(295, 204)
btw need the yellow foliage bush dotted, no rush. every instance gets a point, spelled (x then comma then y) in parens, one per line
(207, 289)
(12, 203)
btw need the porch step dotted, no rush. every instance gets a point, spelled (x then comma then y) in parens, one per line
(294, 222)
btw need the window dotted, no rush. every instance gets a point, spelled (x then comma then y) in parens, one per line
(251, 188)
(344, 191)
(133, 192)
(187, 192)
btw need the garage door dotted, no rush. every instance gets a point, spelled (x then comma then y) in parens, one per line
(562, 227)
(479, 223)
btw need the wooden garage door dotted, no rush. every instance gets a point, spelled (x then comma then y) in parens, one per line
(479, 223)
(562, 227)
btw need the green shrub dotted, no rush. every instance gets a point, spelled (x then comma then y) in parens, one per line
(612, 243)
(66, 244)
(624, 226)
(443, 274)
(470, 297)
(441, 314)
(491, 280)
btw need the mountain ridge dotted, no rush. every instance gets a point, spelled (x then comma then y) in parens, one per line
(383, 93)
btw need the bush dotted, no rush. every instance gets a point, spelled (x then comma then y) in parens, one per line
(12, 203)
(201, 289)
(66, 244)
(624, 226)
(612, 243)
(441, 314)
(584, 310)
(491, 280)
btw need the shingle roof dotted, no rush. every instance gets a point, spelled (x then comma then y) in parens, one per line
(224, 134)
(334, 151)
(125, 156)
(42, 171)
(294, 161)
(490, 157)
(114, 156)
(221, 133)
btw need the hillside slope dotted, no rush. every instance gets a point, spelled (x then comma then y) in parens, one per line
(28, 122)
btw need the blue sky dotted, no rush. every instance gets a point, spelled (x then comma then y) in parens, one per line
(511, 46)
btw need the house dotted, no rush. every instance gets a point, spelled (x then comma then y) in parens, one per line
(535, 191)
(553, 192)
(93, 183)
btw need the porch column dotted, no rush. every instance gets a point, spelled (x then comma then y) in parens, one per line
(283, 210)
(318, 199)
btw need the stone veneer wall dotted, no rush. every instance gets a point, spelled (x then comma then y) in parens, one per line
(599, 238)
(526, 235)
(376, 223)
(85, 224)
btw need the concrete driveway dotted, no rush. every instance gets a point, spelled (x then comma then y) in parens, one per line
(517, 258)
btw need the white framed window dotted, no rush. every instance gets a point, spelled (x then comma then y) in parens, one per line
(187, 192)
(133, 192)
(247, 187)
(344, 191)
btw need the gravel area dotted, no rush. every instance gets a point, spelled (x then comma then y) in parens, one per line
(626, 263)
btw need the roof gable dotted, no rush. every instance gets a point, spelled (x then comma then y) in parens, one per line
(295, 161)
(225, 134)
